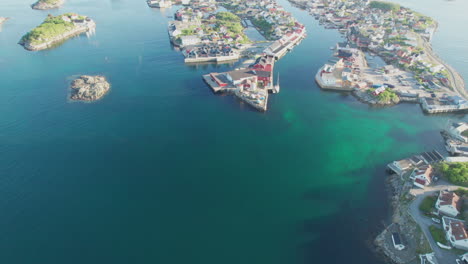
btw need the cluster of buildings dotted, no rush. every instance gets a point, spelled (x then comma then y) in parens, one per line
(399, 37)
(252, 84)
(287, 41)
(418, 167)
(79, 21)
(203, 37)
(267, 15)
(343, 72)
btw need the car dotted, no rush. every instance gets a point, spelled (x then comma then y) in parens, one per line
(435, 179)
(435, 220)
(389, 85)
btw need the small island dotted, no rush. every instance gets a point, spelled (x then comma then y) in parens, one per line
(56, 29)
(89, 88)
(47, 4)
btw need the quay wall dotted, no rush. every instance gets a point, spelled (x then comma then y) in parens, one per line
(212, 59)
(319, 81)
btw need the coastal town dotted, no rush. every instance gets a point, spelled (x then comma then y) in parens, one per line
(398, 36)
(207, 35)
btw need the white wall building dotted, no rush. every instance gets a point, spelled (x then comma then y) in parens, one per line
(456, 130)
(455, 232)
(448, 203)
(190, 40)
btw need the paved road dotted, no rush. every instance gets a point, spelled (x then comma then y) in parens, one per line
(454, 77)
(442, 255)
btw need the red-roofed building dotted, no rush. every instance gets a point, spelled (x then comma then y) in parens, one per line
(422, 176)
(449, 203)
(455, 232)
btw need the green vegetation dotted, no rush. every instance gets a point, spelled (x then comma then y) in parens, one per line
(455, 172)
(397, 40)
(50, 2)
(50, 28)
(232, 23)
(388, 96)
(386, 6)
(227, 17)
(438, 234)
(464, 133)
(263, 26)
(427, 205)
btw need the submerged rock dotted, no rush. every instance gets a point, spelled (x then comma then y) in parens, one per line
(47, 4)
(89, 88)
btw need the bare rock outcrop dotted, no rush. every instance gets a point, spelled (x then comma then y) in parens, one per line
(89, 88)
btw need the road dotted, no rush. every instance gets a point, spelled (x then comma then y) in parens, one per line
(442, 255)
(454, 77)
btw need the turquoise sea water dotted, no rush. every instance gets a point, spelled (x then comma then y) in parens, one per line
(163, 171)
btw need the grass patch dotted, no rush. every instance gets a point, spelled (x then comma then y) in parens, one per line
(427, 205)
(50, 28)
(385, 6)
(438, 234)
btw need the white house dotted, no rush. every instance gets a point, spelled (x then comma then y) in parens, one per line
(448, 203)
(455, 232)
(456, 130)
(422, 176)
(396, 239)
(190, 40)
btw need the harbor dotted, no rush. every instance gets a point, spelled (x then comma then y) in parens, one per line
(253, 83)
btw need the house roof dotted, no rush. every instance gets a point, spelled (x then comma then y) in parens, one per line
(241, 74)
(458, 230)
(450, 198)
(420, 181)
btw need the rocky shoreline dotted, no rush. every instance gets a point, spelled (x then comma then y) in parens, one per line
(402, 223)
(371, 100)
(89, 88)
(43, 5)
(77, 30)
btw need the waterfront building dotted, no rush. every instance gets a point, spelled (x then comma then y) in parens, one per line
(457, 130)
(422, 176)
(448, 203)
